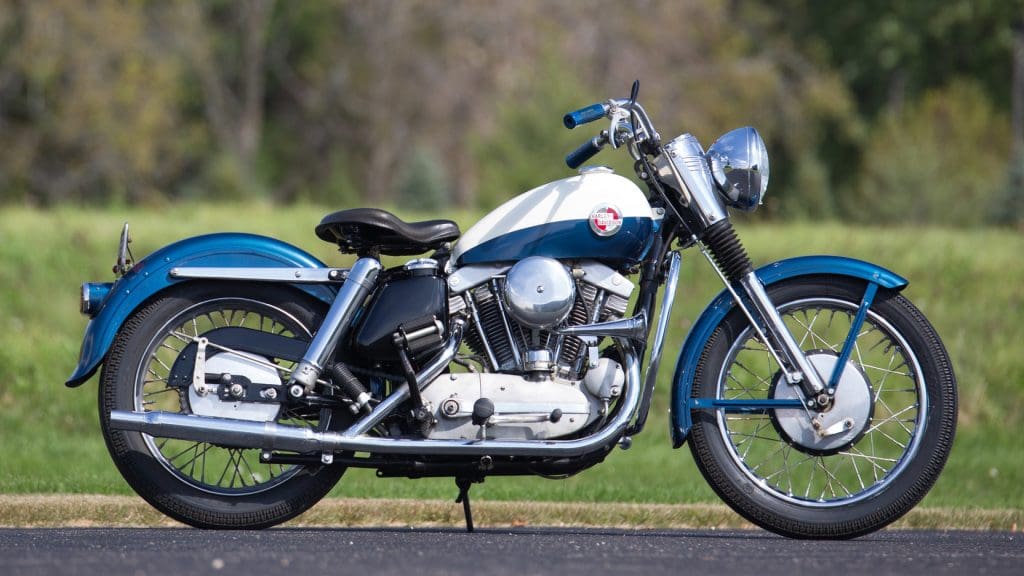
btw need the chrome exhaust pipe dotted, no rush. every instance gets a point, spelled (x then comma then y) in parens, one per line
(223, 431)
(273, 436)
(634, 327)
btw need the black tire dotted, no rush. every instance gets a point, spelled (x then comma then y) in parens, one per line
(143, 349)
(767, 473)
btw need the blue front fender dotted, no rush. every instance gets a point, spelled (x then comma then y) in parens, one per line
(682, 381)
(150, 276)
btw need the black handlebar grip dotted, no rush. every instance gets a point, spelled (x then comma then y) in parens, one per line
(584, 115)
(585, 152)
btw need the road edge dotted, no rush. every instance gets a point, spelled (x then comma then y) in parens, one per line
(88, 510)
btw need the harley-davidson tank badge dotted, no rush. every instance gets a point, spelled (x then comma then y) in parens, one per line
(605, 220)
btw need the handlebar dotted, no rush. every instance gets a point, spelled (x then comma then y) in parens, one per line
(584, 115)
(625, 114)
(586, 151)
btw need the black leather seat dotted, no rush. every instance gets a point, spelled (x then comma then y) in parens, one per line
(372, 232)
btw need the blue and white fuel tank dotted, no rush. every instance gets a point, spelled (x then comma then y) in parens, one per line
(596, 215)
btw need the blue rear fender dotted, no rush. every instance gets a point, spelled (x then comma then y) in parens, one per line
(682, 381)
(150, 276)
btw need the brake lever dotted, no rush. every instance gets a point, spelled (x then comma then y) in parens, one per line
(619, 124)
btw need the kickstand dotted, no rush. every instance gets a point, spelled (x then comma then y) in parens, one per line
(464, 484)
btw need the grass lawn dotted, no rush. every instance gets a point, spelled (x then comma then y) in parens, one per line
(969, 283)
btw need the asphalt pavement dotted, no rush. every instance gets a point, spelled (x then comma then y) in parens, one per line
(519, 551)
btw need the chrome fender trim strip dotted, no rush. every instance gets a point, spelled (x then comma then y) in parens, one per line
(289, 275)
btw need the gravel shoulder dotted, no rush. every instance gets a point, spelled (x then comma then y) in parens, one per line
(78, 510)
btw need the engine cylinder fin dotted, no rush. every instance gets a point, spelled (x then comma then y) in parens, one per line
(614, 308)
(493, 329)
(580, 314)
(456, 304)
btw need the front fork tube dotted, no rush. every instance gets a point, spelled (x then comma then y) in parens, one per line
(791, 358)
(361, 280)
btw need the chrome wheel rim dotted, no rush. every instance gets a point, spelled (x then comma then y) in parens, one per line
(863, 469)
(219, 470)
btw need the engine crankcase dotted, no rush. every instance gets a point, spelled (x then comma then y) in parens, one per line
(523, 410)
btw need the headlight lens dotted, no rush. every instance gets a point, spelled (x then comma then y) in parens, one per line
(739, 165)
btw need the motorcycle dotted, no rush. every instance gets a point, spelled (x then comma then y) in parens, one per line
(241, 376)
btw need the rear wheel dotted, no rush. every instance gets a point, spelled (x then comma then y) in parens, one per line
(199, 483)
(871, 456)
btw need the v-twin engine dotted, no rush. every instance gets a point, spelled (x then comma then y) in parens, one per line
(542, 384)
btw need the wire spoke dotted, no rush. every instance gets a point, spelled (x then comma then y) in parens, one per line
(229, 465)
(901, 422)
(809, 327)
(252, 475)
(743, 389)
(749, 437)
(833, 478)
(162, 364)
(891, 418)
(855, 453)
(161, 391)
(816, 339)
(199, 453)
(765, 461)
(760, 379)
(856, 470)
(193, 446)
(238, 468)
(156, 377)
(166, 346)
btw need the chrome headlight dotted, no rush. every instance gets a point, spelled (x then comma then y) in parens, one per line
(739, 165)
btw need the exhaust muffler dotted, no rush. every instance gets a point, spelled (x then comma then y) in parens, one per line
(226, 431)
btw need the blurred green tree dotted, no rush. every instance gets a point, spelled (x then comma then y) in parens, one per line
(528, 145)
(90, 104)
(914, 170)
(891, 55)
(423, 184)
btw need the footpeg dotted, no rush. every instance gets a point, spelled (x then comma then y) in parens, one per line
(343, 378)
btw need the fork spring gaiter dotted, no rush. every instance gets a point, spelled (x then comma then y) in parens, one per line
(727, 251)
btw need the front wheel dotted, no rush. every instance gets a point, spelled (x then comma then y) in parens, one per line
(201, 483)
(870, 457)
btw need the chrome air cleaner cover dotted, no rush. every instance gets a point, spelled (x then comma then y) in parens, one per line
(539, 292)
